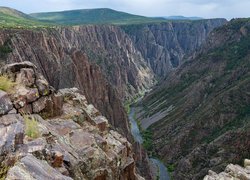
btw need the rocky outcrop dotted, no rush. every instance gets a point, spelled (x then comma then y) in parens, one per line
(231, 172)
(67, 138)
(164, 45)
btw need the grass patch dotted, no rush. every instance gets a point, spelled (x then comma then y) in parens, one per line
(31, 126)
(127, 106)
(6, 84)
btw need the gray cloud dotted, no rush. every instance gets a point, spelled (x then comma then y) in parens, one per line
(203, 8)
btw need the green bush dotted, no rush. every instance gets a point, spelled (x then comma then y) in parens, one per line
(6, 84)
(31, 126)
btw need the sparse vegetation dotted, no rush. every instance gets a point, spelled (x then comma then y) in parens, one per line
(127, 106)
(6, 84)
(31, 126)
(148, 141)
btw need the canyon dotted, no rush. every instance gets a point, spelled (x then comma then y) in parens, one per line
(201, 111)
(190, 66)
(101, 60)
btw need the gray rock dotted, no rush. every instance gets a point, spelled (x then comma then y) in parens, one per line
(11, 132)
(42, 85)
(30, 167)
(15, 67)
(39, 105)
(26, 77)
(234, 172)
(5, 103)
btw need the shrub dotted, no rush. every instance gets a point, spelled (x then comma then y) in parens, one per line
(31, 126)
(171, 168)
(6, 84)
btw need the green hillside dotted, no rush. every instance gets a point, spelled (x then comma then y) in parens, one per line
(13, 18)
(93, 16)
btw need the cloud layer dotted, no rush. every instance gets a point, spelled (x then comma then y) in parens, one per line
(202, 8)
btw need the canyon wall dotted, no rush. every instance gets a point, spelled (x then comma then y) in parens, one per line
(165, 45)
(61, 55)
(201, 111)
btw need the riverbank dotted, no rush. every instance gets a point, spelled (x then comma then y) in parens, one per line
(135, 131)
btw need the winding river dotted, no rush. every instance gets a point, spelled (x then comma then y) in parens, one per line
(163, 173)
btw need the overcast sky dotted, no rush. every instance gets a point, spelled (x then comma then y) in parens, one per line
(202, 8)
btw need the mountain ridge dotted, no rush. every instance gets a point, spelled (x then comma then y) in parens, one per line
(93, 16)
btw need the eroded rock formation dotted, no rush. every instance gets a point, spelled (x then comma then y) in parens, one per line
(67, 138)
(164, 45)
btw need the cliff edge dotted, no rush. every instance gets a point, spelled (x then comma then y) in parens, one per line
(46, 134)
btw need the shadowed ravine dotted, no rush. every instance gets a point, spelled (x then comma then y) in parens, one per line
(163, 173)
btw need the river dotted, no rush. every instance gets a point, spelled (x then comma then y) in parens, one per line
(163, 173)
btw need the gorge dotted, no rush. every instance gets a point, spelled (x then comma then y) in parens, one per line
(197, 110)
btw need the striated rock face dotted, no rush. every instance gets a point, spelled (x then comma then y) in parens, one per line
(165, 45)
(201, 112)
(57, 56)
(73, 139)
(231, 172)
(107, 46)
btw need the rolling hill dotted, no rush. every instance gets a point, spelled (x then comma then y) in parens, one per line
(13, 18)
(93, 16)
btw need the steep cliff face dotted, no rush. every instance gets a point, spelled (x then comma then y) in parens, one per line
(201, 113)
(114, 52)
(107, 46)
(164, 45)
(59, 55)
(56, 135)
